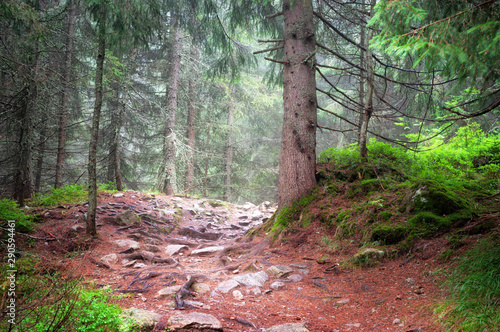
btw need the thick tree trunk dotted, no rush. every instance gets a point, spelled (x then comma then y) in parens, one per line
(63, 118)
(169, 185)
(191, 122)
(298, 142)
(92, 166)
(368, 111)
(24, 174)
(229, 146)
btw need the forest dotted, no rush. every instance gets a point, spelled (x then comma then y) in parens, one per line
(376, 123)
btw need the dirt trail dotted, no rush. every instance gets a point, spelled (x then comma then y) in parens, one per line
(178, 238)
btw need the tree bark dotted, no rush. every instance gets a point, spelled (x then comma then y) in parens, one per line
(169, 185)
(368, 111)
(229, 146)
(92, 166)
(191, 122)
(117, 109)
(63, 118)
(41, 153)
(361, 71)
(298, 142)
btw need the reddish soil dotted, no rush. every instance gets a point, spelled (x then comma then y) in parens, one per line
(395, 295)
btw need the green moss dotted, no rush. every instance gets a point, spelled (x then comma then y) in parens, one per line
(385, 215)
(389, 235)
(437, 198)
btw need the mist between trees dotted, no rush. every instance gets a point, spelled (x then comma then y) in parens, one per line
(231, 99)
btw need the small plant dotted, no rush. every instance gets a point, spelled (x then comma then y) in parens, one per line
(9, 210)
(69, 194)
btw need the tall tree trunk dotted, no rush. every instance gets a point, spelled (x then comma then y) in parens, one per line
(117, 108)
(41, 153)
(24, 173)
(362, 73)
(92, 166)
(229, 146)
(368, 111)
(207, 157)
(63, 118)
(191, 122)
(169, 185)
(298, 142)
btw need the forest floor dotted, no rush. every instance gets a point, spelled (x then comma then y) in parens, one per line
(397, 294)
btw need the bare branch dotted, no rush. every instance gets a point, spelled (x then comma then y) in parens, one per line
(278, 61)
(269, 49)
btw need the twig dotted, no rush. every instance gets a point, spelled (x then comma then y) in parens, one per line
(278, 61)
(269, 49)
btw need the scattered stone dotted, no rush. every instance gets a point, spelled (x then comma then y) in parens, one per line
(280, 271)
(152, 248)
(237, 295)
(277, 285)
(167, 291)
(247, 206)
(396, 321)
(244, 223)
(200, 288)
(257, 279)
(341, 302)
(110, 258)
(139, 265)
(127, 217)
(256, 215)
(295, 278)
(355, 325)
(226, 286)
(299, 265)
(193, 321)
(118, 195)
(369, 254)
(291, 327)
(173, 249)
(195, 234)
(143, 320)
(128, 244)
(304, 271)
(78, 227)
(206, 251)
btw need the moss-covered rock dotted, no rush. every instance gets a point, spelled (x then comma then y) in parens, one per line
(389, 234)
(433, 197)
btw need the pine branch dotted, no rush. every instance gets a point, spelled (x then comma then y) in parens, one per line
(270, 40)
(278, 61)
(274, 15)
(270, 49)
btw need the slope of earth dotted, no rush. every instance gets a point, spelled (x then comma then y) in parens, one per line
(242, 281)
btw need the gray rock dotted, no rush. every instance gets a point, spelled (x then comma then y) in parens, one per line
(256, 215)
(244, 223)
(295, 278)
(200, 288)
(237, 295)
(118, 195)
(167, 291)
(173, 249)
(291, 327)
(139, 265)
(110, 258)
(299, 265)
(257, 279)
(143, 320)
(206, 251)
(277, 285)
(152, 248)
(304, 271)
(226, 286)
(193, 321)
(127, 218)
(128, 244)
(280, 271)
(341, 302)
(369, 254)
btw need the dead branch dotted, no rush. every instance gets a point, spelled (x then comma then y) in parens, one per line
(274, 15)
(146, 277)
(270, 40)
(269, 49)
(278, 61)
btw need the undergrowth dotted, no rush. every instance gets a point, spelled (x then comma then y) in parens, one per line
(47, 301)
(10, 210)
(474, 301)
(69, 194)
